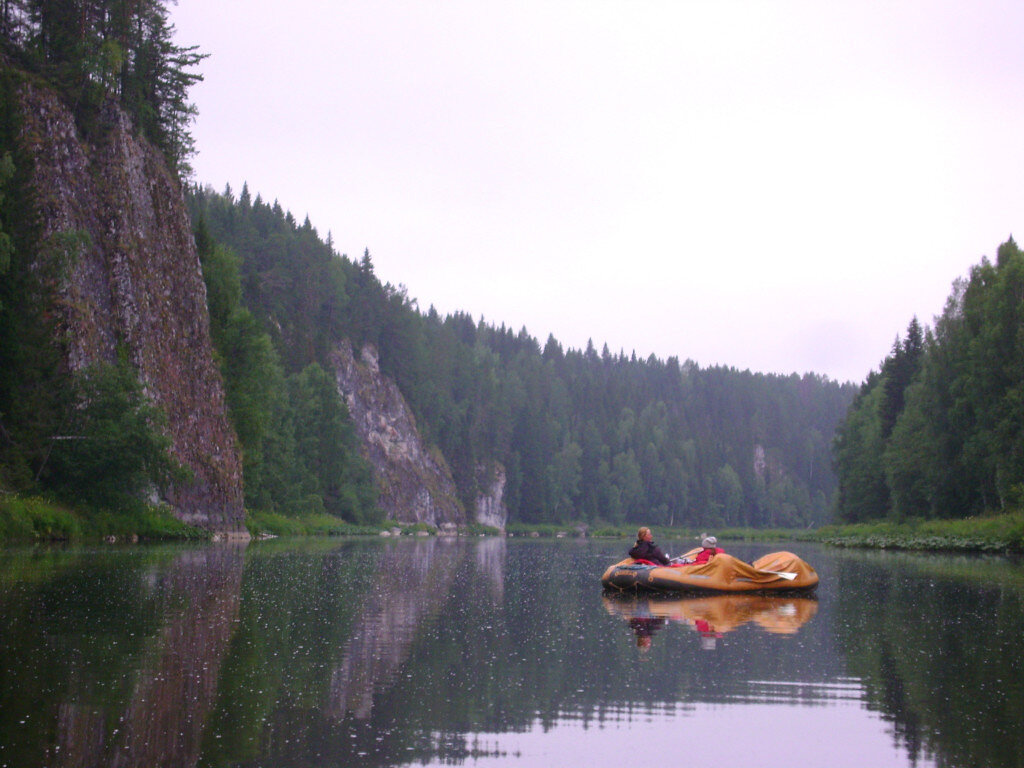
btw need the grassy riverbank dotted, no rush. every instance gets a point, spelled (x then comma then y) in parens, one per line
(996, 533)
(25, 519)
(32, 518)
(263, 524)
(29, 519)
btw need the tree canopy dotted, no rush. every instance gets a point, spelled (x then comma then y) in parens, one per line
(938, 431)
(580, 435)
(96, 51)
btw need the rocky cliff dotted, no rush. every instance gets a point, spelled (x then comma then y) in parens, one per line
(415, 482)
(134, 283)
(490, 503)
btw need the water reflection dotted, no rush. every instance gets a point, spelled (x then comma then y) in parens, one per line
(710, 616)
(119, 665)
(936, 640)
(465, 652)
(409, 587)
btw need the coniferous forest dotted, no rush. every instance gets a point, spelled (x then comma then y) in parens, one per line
(938, 430)
(591, 435)
(95, 51)
(583, 435)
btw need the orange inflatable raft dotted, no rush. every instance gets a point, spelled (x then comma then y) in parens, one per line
(776, 614)
(777, 571)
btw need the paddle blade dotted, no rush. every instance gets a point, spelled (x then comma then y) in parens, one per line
(782, 574)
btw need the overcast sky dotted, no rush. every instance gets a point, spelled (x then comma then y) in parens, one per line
(770, 185)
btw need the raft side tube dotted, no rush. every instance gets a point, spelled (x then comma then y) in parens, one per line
(775, 572)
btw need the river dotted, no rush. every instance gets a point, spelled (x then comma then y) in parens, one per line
(492, 652)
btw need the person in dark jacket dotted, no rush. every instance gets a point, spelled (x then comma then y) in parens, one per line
(646, 549)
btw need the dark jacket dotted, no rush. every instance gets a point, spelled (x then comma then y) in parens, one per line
(648, 550)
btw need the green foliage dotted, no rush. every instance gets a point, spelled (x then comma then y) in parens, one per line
(33, 384)
(6, 244)
(135, 520)
(939, 431)
(95, 51)
(996, 533)
(112, 449)
(263, 523)
(299, 451)
(326, 446)
(859, 446)
(580, 436)
(33, 518)
(476, 529)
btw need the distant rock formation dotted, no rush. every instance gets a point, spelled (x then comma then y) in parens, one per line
(490, 504)
(136, 285)
(415, 482)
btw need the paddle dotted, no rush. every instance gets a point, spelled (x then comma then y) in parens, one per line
(781, 574)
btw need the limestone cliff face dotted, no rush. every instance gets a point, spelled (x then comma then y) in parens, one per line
(490, 504)
(134, 281)
(415, 482)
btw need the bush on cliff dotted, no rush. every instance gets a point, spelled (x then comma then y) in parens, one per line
(112, 449)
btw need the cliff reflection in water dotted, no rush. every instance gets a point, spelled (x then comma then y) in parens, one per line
(409, 587)
(124, 664)
(491, 652)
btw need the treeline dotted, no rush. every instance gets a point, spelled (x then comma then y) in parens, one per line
(938, 430)
(299, 450)
(581, 434)
(95, 51)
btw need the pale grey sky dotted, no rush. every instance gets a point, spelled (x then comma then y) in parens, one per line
(776, 185)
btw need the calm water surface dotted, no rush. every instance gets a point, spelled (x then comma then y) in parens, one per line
(491, 652)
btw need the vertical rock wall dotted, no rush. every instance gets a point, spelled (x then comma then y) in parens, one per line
(416, 485)
(136, 282)
(490, 503)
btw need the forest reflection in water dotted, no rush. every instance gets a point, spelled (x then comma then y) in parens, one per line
(493, 652)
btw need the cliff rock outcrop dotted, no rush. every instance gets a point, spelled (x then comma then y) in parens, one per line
(490, 503)
(415, 482)
(135, 284)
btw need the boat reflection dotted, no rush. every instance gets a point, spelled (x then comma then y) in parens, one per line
(711, 616)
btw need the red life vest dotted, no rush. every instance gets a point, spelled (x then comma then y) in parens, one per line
(706, 554)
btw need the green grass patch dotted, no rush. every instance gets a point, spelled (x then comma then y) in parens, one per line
(274, 524)
(144, 521)
(995, 533)
(34, 518)
(476, 529)
(546, 530)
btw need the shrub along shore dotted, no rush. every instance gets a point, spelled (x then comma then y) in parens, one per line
(35, 519)
(996, 533)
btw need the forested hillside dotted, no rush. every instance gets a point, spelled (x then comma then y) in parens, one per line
(938, 431)
(581, 434)
(589, 435)
(110, 398)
